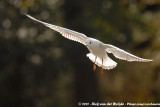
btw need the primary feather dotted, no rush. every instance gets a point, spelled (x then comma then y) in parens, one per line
(121, 54)
(70, 34)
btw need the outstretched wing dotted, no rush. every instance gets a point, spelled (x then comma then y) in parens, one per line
(121, 54)
(70, 34)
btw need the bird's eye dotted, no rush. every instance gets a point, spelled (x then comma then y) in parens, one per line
(89, 42)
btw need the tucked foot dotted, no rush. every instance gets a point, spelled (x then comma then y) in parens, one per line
(101, 67)
(102, 71)
(94, 67)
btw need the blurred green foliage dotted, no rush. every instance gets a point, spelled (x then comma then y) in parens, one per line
(40, 68)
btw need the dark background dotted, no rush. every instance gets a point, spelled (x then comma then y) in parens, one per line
(40, 68)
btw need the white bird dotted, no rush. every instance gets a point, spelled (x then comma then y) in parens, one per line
(97, 48)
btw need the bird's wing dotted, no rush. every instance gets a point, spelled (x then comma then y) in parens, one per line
(121, 54)
(70, 34)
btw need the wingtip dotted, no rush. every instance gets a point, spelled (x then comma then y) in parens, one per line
(26, 14)
(148, 60)
(29, 16)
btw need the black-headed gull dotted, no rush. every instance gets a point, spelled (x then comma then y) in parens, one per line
(97, 48)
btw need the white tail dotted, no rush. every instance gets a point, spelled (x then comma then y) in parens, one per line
(108, 63)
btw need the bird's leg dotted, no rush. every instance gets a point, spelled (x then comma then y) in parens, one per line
(102, 68)
(94, 66)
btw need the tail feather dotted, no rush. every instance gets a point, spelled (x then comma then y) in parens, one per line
(108, 63)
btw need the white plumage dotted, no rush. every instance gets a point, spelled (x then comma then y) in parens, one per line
(98, 49)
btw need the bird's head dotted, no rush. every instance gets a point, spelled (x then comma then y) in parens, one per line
(91, 42)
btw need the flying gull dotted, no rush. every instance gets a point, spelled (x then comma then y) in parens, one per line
(98, 50)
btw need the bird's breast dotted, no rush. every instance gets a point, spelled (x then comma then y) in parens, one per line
(97, 51)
